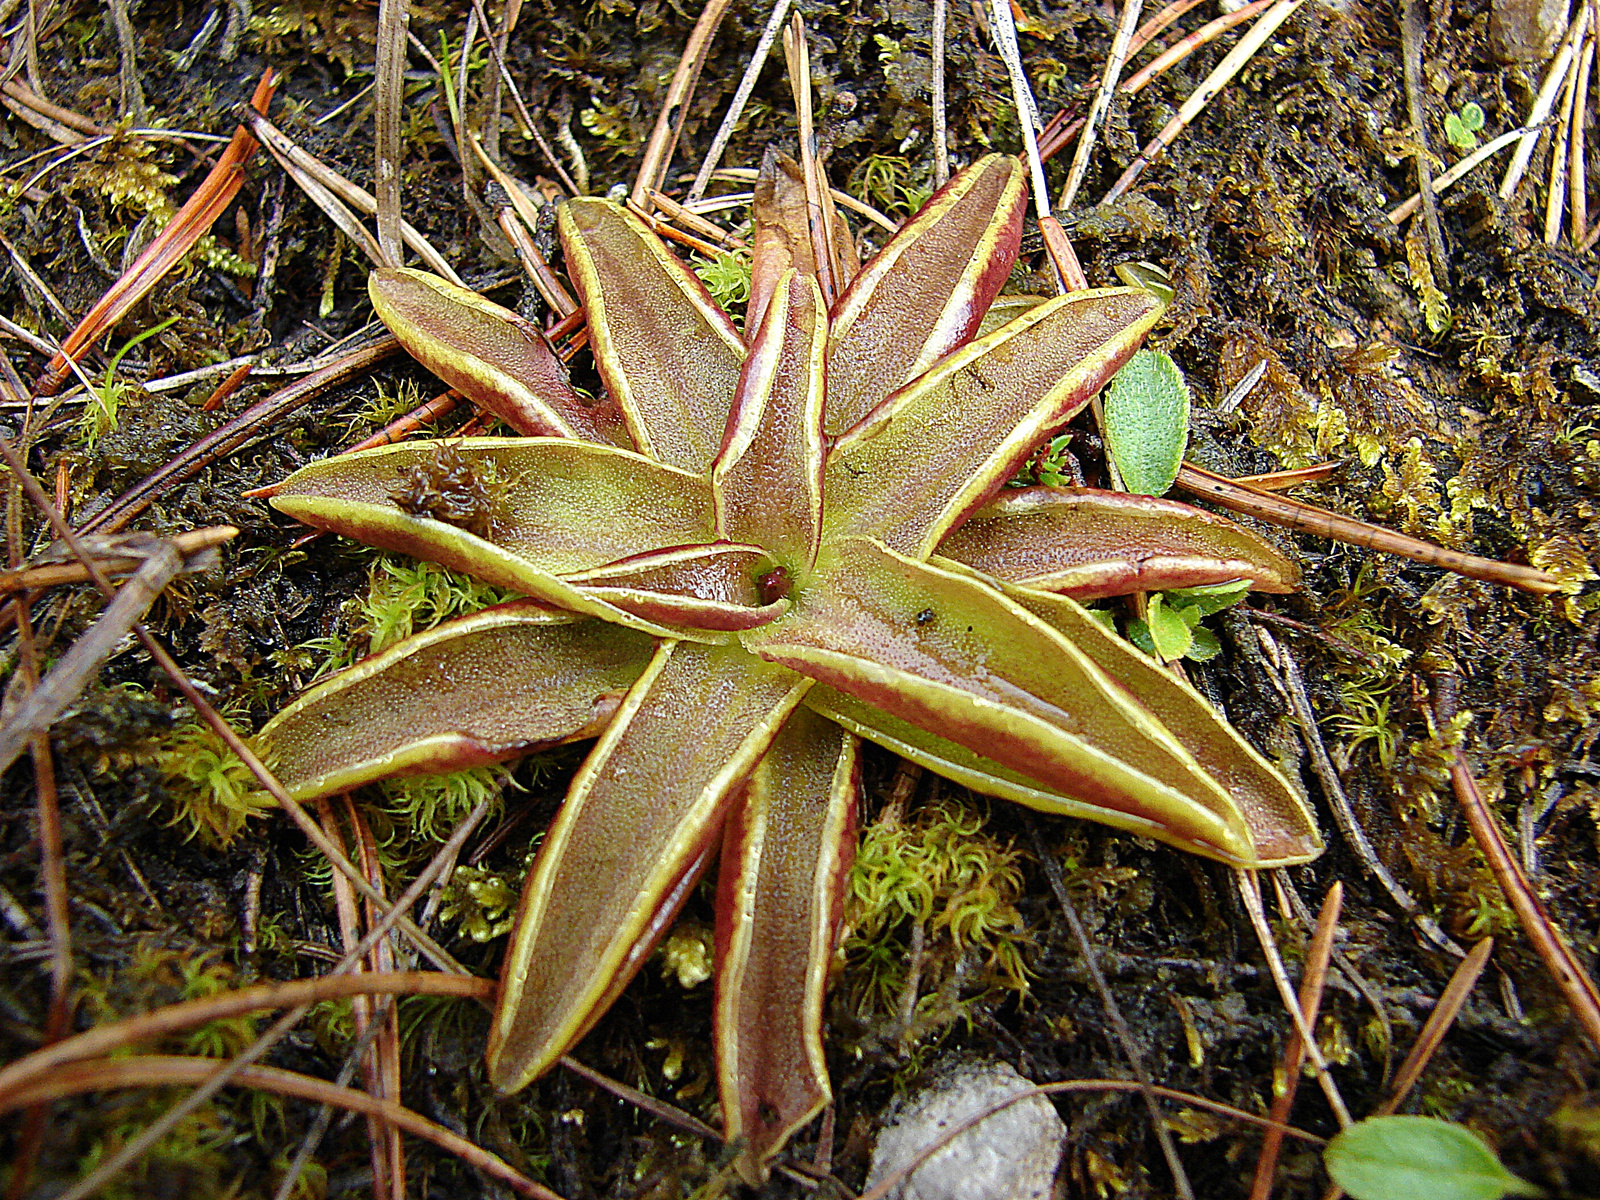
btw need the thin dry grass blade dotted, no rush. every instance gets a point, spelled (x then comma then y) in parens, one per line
(741, 97)
(332, 193)
(72, 672)
(1462, 981)
(1153, 27)
(824, 247)
(160, 1070)
(53, 883)
(1556, 192)
(1181, 50)
(253, 421)
(1120, 49)
(36, 495)
(389, 75)
(1432, 1033)
(1291, 686)
(658, 151)
(1312, 981)
(1294, 514)
(1202, 95)
(1482, 154)
(104, 1040)
(216, 1076)
(1250, 890)
(1578, 181)
(24, 97)
(196, 216)
(1130, 1047)
(115, 556)
(1543, 102)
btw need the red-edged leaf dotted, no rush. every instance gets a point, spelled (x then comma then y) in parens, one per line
(669, 356)
(481, 689)
(781, 234)
(946, 652)
(924, 293)
(715, 587)
(1087, 543)
(786, 857)
(643, 810)
(562, 505)
(1281, 825)
(936, 451)
(768, 478)
(489, 354)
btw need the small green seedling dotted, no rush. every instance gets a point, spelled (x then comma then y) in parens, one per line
(1462, 128)
(1171, 629)
(1418, 1158)
(1147, 422)
(102, 404)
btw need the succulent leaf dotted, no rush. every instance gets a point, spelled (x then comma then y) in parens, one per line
(741, 568)
(1087, 543)
(669, 356)
(1280, 823)
(644, 809)
(768, 477)
(714, 587)
(560, 505)
(937, 450)
(488, 354)
(786, 855)
(496, 684)
(947, 652)
(957, 251)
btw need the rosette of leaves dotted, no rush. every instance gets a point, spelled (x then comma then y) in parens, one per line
(750, 553)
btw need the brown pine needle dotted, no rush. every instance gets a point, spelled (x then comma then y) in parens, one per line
(196, 216)
(1312, 981)
(1219, 78)
(1537, 923)
(1543, 102)
(1308, 518)
(1444, 1013)
(163, 1070)
(1180, 50)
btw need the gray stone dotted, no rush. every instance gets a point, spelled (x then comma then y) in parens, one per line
(1009, 1155)
(1525, 31)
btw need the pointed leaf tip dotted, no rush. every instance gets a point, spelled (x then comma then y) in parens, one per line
(488, 353)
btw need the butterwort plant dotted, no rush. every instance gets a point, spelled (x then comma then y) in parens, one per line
(750, 553)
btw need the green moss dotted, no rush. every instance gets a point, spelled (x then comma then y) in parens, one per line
(943, 872)
(727, 278)
(213, 792)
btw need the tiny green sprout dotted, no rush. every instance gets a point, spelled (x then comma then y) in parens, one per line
(1366, 717)
(1172, 628)
(1462, 128)
(727, 278)
(102, 404)
(1147, 421)
(1420, 1158)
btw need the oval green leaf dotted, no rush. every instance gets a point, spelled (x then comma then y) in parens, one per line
(1147, 421)
(1418, 1158)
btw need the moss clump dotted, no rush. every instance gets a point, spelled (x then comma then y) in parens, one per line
(212, 791)
(941, 873)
